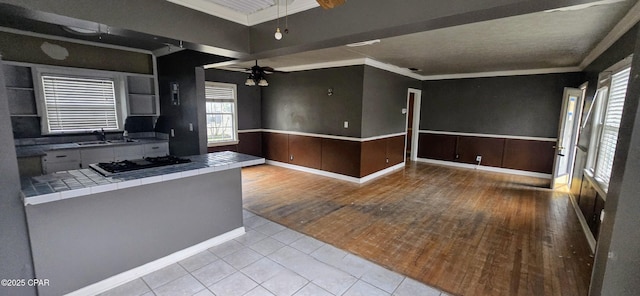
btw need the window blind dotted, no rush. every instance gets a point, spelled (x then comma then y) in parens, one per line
(75, 104)
(220, 108)
(219, 93)
(611, 125)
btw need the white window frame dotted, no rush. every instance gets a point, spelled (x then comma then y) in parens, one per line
(119, 81)
(234, 87)
(600, 107)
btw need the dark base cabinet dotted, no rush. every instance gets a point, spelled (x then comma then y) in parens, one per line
(350, 158)
(525, 155)
(591, 205)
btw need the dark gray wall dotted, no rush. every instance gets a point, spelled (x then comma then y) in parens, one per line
(616, 269)
(515, 105)
(384, 97)
(80, 55)
(15, 249)
(83, 240)
(249, 98)
(299, 101)
(182, 67)
(621, 49)
(161, 18)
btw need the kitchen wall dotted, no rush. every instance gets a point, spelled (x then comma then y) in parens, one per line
(75, 56)
(384, 97)
(184, 67)
(299, 101)
(15, 250)
(72, 54)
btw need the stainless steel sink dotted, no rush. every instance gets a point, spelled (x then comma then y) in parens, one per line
(92, 143)
(122, 141)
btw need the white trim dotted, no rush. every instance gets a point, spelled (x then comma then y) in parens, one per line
(346, 63)
(381, 173)
(502, 73)
(152, 266)
(392, 68)
(489, 136)
(78, 41)
(409, 73)
(485, 168)
(333, 137)
(416, 122)
(583, 223)
(626, 23)
(257, 130)
(334, 175)
(326, 65)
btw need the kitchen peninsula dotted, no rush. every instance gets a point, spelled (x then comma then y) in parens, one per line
(90, 232)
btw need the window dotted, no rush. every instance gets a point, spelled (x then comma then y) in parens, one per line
(78, 101)
(221, 113)
(607, 117)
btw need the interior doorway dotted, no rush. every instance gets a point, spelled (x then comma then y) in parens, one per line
(570, 117)
(412, 126)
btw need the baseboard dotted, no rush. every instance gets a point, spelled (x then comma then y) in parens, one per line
(485, 168)
(583, 223)
(152, 266)
(334, 175)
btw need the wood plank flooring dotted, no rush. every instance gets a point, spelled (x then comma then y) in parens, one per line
(463, 231)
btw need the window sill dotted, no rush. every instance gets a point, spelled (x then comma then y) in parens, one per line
(218, 144)
(596, 185)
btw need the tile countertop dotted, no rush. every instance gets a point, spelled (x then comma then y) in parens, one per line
(40, 150)
(75, 183)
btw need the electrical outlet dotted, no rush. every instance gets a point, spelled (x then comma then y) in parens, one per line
(190, 127)
(479, 158)
(173, 133)
(346, 124)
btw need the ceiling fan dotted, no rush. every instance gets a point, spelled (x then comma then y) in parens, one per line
(328, 4)
(258, 74)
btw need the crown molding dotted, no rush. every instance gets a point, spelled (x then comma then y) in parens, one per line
(502, 73)
(255, 18)
(626, 23)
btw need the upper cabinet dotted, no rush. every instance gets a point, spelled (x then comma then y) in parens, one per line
(142, 97)
(20, 91)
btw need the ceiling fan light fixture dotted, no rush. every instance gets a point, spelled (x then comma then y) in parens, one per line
(250, 81)
(278, 34)
(263, 82)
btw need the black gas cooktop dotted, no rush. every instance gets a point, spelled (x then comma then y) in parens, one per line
(109, 168)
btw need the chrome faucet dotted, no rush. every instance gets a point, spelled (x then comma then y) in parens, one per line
(101, 135)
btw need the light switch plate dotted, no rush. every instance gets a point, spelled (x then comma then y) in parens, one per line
(190, 127)
(173, 133)
(346, 124)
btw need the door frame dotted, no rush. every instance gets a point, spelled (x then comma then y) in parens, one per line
(415, 125)
(572, 141)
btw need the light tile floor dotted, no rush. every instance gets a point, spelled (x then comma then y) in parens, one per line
(271, 259)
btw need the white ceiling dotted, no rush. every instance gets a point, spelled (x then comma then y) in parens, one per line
(248, 12)
(559, 39)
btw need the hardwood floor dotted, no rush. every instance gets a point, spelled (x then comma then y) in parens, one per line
(463, 231)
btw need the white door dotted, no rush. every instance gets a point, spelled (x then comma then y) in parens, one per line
(568, 124)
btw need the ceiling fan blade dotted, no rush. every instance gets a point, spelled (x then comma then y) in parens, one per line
(328, 4)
